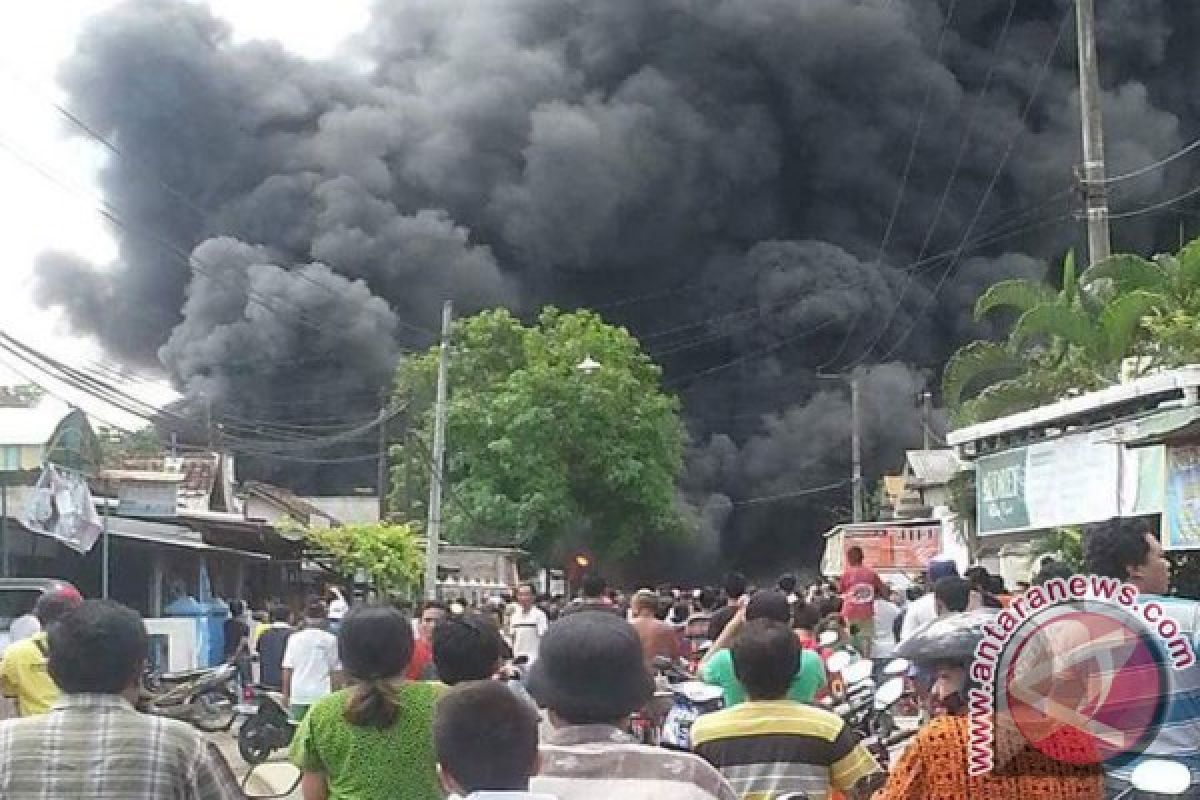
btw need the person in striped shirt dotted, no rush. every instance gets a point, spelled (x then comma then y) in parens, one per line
(771, 746)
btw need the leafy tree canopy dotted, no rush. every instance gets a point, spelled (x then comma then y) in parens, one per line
(541, 454)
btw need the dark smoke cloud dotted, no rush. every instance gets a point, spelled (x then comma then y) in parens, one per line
(736, 161)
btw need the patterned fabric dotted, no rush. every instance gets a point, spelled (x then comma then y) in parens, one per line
(934, 767)
(599, 762)
(98, 747)
(367, 763)
(769, 748)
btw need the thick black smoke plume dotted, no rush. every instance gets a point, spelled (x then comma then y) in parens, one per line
(719, 175)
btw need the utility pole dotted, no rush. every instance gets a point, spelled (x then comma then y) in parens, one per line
(381, 477)
(1095, 192)
(856, 449)
(433, 528)
(926, 415)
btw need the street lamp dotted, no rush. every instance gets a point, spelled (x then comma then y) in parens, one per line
(588, 366)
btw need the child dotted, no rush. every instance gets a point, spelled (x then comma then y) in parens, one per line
(487, 742)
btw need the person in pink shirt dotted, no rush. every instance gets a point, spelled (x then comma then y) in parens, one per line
(859, 587)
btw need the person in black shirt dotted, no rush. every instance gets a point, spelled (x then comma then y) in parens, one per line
(237, 639)
(271, 646)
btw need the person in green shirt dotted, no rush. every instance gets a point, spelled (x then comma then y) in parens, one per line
(373, 740)
(717, 667)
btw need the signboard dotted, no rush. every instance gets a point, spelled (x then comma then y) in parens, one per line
(1069, 481)
(150, 499)
(895, 547)
(1181, 515)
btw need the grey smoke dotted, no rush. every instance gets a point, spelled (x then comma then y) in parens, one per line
(736, 161)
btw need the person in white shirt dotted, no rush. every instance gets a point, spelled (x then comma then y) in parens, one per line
(496, 766)
(311, 668)
(24, 627)
(883, 646)
(527, 626)
(338, 608)
(924, 610)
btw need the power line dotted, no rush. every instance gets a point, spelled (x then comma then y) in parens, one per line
(201, 213)
(899, 201)
(1012, 144)
(753, 354)
(1190, 193)
(1180, 153)
(790, 495)
(958, 161)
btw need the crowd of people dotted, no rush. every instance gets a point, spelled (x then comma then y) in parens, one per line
(524, 699)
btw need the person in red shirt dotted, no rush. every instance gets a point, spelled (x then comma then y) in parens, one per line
(420, 668)
(859, 586)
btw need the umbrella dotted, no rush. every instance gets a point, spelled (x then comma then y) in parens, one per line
(949, 638)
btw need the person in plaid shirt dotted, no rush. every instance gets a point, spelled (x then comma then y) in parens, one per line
(93, 743)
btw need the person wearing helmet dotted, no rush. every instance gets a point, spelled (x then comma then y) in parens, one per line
(935, 764)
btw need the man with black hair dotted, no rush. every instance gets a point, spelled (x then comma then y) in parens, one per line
(23, 670)
(734, 587)
(593, 597)
(859, 586)
(771, 746)
(591, 677)
(311, 669)
(527, 624)
(953, 595)
(93, 743)
(717, 668)
(271, 645)
(1129, 551)
(487, 743)
(467, 647)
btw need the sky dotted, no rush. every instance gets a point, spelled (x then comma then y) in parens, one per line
(50, 199)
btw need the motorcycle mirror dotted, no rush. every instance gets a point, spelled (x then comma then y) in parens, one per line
(838, 662)
(1159, 776)
(272, 781)
(897, 666)
(890, 691)
(828, 638)
(858, 671)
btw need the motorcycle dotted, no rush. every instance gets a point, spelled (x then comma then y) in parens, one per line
(267, 728)
(867, 707)
(205, 698)
(678, 702)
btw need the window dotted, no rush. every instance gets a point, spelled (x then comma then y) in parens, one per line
(10, 457)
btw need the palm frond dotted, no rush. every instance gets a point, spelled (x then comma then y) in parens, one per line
(1021, 295)
(1121, 321)
(972, 362)
(1070, 325)
(1127, 273)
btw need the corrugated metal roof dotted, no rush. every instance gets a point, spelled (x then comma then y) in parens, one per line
(933, 467)
(29, 426)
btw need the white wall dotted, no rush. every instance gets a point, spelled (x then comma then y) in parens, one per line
(181, 640)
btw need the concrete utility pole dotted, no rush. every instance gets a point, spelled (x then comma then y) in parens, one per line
(1095, 191)
(926, 416)
(856, 480)
(381, 477)
(433, 528)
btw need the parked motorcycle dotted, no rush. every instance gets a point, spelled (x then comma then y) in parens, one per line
(205, 698)
(267, 728)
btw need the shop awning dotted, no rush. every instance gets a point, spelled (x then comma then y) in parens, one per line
(1178, 423)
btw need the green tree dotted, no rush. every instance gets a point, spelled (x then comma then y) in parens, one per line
(541, 455)
(389, 554)
(1071, 339)
(1063, 544)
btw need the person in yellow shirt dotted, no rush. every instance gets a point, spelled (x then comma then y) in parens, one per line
(23, 672)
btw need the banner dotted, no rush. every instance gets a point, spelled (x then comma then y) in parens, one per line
(1181, 516)
(1068, 481)
(61, 506)
(909, 547)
